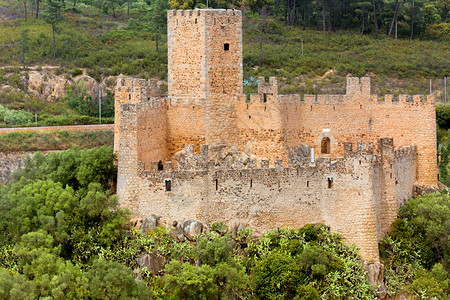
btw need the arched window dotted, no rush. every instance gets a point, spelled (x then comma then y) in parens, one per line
(160, 166)
(325, 145)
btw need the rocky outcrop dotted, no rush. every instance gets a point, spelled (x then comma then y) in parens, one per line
(47, 84)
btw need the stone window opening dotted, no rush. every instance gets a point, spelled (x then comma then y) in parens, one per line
(311, 107)
(265, 108)
(214, 21)
(360, 106)
(307, 183)
(160, 166)
(217, 184)
(325, 145)
(264, 98)
(226, 46)
(129, 96)
(249, 117)
(168, 185)
(251, 183)
(195, 20)
(330, 182)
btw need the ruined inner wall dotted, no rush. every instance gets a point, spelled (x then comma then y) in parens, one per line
(266, 198)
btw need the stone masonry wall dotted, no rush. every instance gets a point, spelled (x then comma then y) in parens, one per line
(405, 173)
(356, 116)
(131, 90)
(152, 131)
(267, 198)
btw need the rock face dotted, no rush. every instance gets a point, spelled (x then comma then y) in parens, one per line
(149, 223)
(192, 228)
(374, 272)
(46, 84)
(153, 263)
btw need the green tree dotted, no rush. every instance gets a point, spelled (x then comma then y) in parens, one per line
(53, 15)
(116, 280)
(24, 44)
(157, 16)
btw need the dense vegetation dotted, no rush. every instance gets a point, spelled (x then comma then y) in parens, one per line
(417, 251)
(54, 140)
(64, 237)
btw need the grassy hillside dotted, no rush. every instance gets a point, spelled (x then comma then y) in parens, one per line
(107, 46)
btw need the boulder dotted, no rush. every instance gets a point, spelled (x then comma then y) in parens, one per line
(192, 228)
(153, 263)
(374, 272)
(149, 223)
(178, 232)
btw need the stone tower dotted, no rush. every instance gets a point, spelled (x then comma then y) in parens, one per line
(204, 76)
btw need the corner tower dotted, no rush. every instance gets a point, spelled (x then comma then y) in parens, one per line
(204, 75)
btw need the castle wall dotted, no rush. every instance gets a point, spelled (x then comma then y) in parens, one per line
(186, 53)
(267, 198)
(130, 90)
(260, 122)
(186, 124)
(405, 173)
(224, 66)
(128, 183)
(221, 119)
(358, 116)
(151, 119)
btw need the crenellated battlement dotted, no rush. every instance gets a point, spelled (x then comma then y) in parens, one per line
(362, 148)
(202, 12)
(406, 151)
(356, 87)
(202, 162)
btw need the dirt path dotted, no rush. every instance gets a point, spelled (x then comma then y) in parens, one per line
(67, 128)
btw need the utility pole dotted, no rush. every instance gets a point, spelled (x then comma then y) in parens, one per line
(302, 46)
(445, 89)
(100, 105)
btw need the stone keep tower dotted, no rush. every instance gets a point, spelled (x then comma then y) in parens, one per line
(204, 76)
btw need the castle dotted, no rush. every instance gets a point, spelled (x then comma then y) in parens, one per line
(207, 152)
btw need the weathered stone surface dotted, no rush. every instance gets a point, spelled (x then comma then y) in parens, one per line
(155, 264)
(192, 228)
(150, 222)
(180, 156)
(374, 272)
(248, 148)
(178, 232)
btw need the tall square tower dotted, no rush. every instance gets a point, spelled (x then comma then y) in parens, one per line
(205, 52)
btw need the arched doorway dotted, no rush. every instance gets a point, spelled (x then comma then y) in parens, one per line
(325, 145)
(160, 166)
